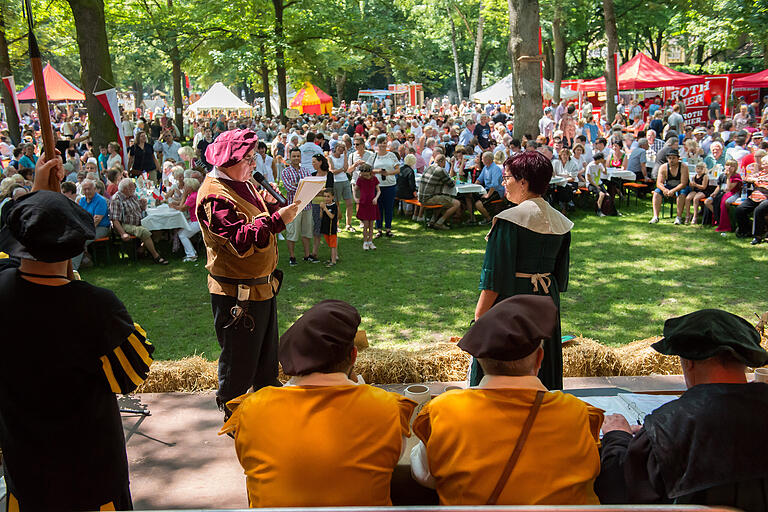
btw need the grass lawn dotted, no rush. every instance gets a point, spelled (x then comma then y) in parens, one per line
(419, 287)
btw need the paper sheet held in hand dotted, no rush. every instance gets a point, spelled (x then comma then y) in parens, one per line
(308, 188)
(633, 406)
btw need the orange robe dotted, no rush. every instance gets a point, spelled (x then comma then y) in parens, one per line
(469, 435)
(310, 446)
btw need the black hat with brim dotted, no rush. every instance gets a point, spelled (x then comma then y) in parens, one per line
(46, 226)
(711, 332)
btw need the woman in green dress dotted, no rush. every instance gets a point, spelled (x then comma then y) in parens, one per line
(527, 253)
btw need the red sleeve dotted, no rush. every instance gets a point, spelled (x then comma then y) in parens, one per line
(225, 221)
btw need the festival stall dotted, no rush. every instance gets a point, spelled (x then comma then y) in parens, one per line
(409, 95)
(219, 97)
(58, 89)
(757, 80)
(311, 100)
(642, 72)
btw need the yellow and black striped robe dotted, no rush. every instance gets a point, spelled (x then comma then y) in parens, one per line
(64, 354)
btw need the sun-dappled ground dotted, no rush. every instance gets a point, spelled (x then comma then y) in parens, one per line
(420, 287)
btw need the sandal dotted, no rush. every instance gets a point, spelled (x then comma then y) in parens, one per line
(161, 261)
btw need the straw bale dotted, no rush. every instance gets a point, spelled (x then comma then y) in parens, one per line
(638, 358)
(585, 357)
(438, 362)
(189, 374)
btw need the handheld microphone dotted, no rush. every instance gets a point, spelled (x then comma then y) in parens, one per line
(271, 191)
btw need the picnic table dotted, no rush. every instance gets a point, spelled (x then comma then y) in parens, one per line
(164, 217)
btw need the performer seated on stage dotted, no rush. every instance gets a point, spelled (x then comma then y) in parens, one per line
(321, 440)
(61, 433)
(509, 441)
(707, 447)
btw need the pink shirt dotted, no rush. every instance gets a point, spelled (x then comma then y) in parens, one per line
(190, 203)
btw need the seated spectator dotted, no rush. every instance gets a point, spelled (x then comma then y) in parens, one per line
(113, 178)
(96, 205)
(406, 183)
(9, 171)
(699, 185)
(490, 179)
(731, 192)
(361, 428)
(636, 162)
(188, 206)
(672, 181)
(125, 212)
(756, 204)
(434, 189)
(467, 435)
(673, 458)
(70, 190)
(595, 175)
(716, 156)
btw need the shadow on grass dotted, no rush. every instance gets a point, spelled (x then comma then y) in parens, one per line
(420, 286)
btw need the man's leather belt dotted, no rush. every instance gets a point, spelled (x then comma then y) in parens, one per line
(247, 282)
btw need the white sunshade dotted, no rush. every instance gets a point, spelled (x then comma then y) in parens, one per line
(218, 97)
(501, 91)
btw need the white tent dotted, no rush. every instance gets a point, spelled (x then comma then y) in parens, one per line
(501, 91)
(218, 97)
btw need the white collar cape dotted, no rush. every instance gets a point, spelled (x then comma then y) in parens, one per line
(537, 215)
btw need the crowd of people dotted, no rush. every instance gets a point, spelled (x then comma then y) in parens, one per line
(326, 438)
(715, 174)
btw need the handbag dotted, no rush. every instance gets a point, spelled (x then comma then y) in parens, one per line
(518, 449)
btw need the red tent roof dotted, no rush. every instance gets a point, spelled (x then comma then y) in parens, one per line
(642, 72)
(312, 100)
(57, 88)
(757, 80)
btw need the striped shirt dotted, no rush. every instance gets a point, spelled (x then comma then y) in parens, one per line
(291, 177)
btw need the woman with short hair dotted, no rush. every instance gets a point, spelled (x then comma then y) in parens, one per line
(527, 253)
(386, 166)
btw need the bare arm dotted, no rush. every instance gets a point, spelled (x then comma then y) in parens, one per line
(484, 302)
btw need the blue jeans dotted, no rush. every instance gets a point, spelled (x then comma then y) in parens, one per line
(386, 206)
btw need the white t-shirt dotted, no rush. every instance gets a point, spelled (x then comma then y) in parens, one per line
(264, 166)
(596, 172)
(308, 150)
(338, 163)
(388, 163)
(427, 155)
(353, 158)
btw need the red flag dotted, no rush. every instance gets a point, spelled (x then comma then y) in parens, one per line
(108, 100)
(10, 84)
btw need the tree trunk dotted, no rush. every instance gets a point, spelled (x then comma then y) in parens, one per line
(5, 70)
(549, 72)
(138, 94)
(455, 53)
(475, 78)
(611, 80)
(282, 86)
(341, 80)
(178, 104)
(94, 62)
(526, 83)
(559, 40)
(264, 71)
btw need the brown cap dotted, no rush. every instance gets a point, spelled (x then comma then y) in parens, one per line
(512, 329)
(321, 338)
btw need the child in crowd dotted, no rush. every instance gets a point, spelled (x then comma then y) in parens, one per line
(732, 192)
(329, 224)
(699, 185)
(595, 173)
(103, 158)
(366, 193)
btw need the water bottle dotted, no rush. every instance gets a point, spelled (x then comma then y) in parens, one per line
(743, 192)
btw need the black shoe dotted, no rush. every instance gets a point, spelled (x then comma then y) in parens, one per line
(311, 259)
(756, 240)
(292, 262)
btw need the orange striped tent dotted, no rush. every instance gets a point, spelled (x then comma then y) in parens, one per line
(311, 100)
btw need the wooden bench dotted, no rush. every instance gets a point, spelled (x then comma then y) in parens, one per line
(104, 242)
(417, 204)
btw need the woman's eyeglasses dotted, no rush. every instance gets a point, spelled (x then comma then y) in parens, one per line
(505, 177)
